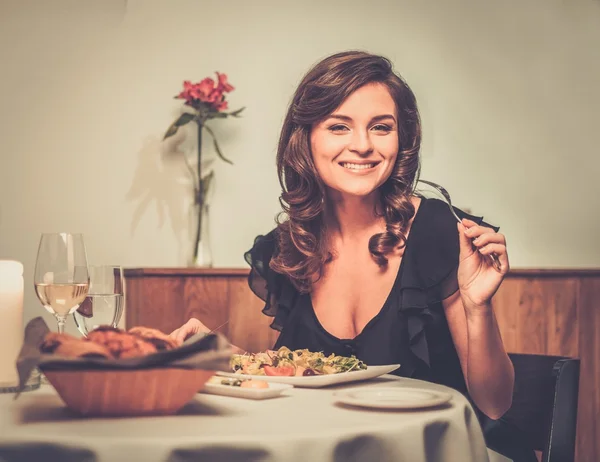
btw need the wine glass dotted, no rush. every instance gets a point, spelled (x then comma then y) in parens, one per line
(103, 304)
(61, 276)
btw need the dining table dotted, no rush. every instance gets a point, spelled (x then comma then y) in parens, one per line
(302, 424)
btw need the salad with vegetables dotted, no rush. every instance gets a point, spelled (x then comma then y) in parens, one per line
(286, 362)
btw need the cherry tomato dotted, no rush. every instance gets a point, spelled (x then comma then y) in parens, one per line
(281, 370)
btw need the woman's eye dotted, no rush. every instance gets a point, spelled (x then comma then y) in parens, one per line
(338, 128)
(382, 128)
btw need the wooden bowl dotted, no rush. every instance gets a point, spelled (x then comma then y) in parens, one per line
(127, 392)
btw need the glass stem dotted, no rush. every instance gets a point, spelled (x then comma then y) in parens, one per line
(61, 323)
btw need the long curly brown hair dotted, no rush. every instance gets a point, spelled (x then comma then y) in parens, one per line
(301, 231)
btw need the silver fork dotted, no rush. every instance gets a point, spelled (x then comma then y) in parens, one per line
(443, 192)
(217, 328)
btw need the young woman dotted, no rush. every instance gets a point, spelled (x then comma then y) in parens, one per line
(358, 263)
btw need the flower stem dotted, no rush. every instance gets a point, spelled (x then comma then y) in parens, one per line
(199, 199)
(200, 126)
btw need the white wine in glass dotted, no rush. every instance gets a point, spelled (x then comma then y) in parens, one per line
(61, 274)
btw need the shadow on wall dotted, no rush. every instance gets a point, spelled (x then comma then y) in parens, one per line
(160, 181)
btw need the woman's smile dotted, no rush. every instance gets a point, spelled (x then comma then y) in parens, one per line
(360, 167)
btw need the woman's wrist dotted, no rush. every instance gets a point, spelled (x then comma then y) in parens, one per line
(477, 309)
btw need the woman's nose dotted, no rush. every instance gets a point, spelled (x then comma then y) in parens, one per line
(361, 143)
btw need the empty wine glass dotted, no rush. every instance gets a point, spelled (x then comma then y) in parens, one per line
(61, 276)
(103, 305)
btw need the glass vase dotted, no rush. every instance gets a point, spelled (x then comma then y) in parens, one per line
(201, 249)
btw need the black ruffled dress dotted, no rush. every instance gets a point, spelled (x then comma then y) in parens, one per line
(411, 327)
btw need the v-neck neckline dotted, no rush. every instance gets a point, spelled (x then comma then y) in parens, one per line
(386, 303)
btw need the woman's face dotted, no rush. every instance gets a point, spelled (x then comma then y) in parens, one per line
(355, 148)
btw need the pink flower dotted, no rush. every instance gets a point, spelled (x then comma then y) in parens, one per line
(188, 87)
(223, 84)
(214, 96)
(205, 91)
(221, 105)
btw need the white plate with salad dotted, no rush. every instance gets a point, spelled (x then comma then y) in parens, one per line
(303, 368)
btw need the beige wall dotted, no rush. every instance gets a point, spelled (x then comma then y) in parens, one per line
(508, 90)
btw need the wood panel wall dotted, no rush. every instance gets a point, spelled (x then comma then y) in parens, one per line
(167, 298)
(551, 312)
(557, 312)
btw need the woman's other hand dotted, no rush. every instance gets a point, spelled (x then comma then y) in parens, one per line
(193, 326)
(478, 280)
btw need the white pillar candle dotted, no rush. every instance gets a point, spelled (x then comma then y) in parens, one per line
(11, 320)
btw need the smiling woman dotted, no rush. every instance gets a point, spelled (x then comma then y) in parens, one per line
(361, 265)
(351, 114)
(358, 139)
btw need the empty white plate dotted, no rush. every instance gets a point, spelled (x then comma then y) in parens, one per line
(392, 398)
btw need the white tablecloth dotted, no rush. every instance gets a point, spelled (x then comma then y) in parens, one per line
(304, 425)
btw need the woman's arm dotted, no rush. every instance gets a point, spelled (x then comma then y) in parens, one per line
(488, 371)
